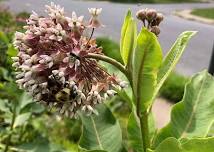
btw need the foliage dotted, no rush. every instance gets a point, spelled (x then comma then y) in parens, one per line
(205, 12)
(173, 87)
(26, 126)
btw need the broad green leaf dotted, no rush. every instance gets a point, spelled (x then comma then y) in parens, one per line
(198, 145)
(128, 38)
(147, 59)
(190, 145)
(211, 131)
(92, 150)
(21, 119)
(101, 132)
(169, 145)
(40, 145)
(194, 115)
(172, 58)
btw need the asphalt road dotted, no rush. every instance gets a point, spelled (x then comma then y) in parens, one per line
(197, 54)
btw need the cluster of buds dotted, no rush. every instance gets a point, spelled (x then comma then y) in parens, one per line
(151, 19)
(52, 63)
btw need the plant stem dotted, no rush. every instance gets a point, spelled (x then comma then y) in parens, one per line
(92, 32)
(108, 60)
(145, 130)
(11, 130)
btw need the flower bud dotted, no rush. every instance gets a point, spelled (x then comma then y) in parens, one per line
(155, 30)
(141, 15)
(151, 14)
(159, 18)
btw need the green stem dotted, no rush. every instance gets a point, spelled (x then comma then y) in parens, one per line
(108, 60)
(11, 130)
(144, 130)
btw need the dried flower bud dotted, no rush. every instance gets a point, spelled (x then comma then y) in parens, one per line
(141, 15)
(151, 14)
(159, 18)
(155, 30)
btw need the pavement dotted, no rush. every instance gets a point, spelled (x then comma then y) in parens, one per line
(161, 111)
(187, 15)
(197, 54)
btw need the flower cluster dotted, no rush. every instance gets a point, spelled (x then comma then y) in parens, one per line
(52, 63)
(152, 18)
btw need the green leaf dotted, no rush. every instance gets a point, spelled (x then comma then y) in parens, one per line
(4, 106)
(189, 145)
(24, 101)
(40, 144)
(101, 132)
(21, 119)
(172, 58)
(198, 145)
(169, 145)
(92, 150)
(194, 115)
(3, 37)
(11, 51)
(147, 59)
(128, 38)
(124, 28)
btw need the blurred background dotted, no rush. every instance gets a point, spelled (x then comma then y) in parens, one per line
(27, 126)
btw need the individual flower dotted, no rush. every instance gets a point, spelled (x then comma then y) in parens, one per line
(75, 21)
(94, 21)
(52, 63)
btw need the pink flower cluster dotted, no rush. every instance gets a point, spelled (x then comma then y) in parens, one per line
(52, 65)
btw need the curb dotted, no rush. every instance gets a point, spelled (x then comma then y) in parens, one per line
(186, 14)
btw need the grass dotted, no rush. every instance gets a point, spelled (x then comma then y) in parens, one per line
(173, 88)
(153, 1)
(206, 12)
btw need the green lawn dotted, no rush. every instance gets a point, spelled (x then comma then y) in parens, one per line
(207, 12)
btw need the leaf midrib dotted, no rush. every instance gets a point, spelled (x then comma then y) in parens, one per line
(139, 78)
(194, 109)
(97, 135)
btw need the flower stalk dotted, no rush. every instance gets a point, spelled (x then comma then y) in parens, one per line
(11, 130)
(108, 60)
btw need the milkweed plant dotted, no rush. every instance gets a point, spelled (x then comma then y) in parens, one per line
(58, 64)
